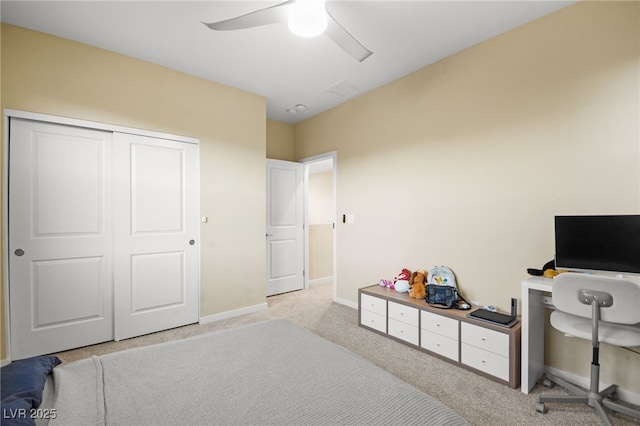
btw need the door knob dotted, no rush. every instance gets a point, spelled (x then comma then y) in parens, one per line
(192, 242)
(19, 252)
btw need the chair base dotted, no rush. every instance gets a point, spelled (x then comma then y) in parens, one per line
(594, 398)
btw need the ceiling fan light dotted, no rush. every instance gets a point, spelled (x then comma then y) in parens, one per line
(307, 18)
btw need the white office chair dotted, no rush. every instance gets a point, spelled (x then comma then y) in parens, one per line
(600, 309)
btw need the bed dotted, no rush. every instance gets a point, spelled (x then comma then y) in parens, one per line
(269, 373)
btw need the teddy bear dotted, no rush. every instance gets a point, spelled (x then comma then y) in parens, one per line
(417, 282)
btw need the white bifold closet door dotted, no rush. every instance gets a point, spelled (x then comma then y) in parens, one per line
(60, 261)
(103, 236)
(155, 226)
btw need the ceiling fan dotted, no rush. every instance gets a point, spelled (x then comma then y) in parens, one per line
(306, 18)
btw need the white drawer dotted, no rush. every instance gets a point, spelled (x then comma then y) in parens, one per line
(403, 313)
(373, 320)
(486, 339)
(373, 304)
(438, 324)
(486, 361)
(439, 344)
(403, 331)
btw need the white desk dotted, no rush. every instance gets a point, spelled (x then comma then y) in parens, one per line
(532, 349)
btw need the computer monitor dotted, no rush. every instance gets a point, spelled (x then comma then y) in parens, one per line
(598, 243)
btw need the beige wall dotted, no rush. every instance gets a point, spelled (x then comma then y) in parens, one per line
(465, 162)
(320, 251)
(320, 198)
(320, 208)
(280, 143)
(45, 74)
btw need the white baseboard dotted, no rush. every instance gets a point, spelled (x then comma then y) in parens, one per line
(625, 395)
(4, 362)
(323, 280)
(234, 313)
(346, 302)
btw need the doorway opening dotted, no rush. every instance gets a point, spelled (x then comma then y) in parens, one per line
(320, 219)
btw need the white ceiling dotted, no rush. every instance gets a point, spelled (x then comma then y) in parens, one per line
(271, 61)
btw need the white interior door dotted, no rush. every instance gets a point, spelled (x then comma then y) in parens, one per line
(156, 234)
(285, 233)
(60, 262)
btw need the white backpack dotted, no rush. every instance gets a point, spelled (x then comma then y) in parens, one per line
(441, 275)
(442, 290)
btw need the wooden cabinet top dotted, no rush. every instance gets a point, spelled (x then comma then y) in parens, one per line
(403, 298)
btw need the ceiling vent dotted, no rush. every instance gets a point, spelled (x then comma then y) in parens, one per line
(344, 90)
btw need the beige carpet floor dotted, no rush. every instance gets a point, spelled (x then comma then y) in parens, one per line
(479, 400)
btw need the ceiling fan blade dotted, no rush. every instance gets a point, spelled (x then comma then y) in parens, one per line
(269, 15)
(345, 40)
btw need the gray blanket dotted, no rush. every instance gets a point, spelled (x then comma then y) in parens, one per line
(270, 373)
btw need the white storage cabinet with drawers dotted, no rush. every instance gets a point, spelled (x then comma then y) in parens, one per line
(478, 346)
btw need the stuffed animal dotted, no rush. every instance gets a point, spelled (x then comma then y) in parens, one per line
(418, 287)
(405, 274)
(401, 281)
(402, 286)
(548, 270)
(551, 273)
(386, 283)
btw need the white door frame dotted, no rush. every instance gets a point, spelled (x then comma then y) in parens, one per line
(331, 155)
(7, 114)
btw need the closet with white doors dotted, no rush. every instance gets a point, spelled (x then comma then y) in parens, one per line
(103, 233)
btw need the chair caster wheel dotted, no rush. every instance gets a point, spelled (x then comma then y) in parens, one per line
(548, 383)
(540, 408)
